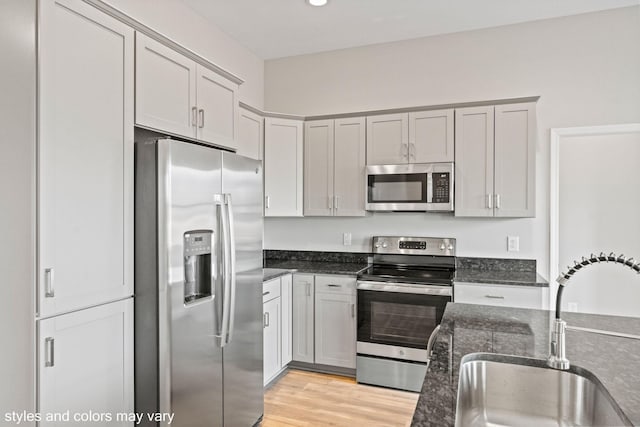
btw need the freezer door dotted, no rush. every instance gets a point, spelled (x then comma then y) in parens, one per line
(190, 283)
(243, 370)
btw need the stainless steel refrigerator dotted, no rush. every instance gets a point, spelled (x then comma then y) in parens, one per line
(198, 285)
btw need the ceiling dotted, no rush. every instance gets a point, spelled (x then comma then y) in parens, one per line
(279, 28)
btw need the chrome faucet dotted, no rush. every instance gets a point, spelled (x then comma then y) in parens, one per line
(557, 352)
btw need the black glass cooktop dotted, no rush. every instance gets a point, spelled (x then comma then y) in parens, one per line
(414, 275)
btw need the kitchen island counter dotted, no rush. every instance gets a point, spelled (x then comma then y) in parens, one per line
(470, 328)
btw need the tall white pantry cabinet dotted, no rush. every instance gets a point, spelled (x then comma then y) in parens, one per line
(84, 319)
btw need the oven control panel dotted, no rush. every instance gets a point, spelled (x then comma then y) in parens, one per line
(414, 245)
(407, 244)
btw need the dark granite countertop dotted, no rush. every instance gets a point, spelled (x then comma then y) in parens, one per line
(319, 267)
(518, 278)
(469, 328)
(273, 273)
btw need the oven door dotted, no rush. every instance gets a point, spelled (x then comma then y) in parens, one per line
(396, 320)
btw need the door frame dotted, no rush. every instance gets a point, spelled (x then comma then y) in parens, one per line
(556, 136)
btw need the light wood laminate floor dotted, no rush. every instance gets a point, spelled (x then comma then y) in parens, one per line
(303, 398)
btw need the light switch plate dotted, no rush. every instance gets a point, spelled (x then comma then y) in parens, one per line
(346, 239)
(513, 243)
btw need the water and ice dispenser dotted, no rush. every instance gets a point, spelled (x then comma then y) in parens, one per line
(198, 280)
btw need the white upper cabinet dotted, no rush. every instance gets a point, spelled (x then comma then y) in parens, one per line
(85, 167)
(431, 136)
(318, 168)
(283, 163)
(217, 108)
(495, 161)
(334, 167)
(418, 137)
(387, 139)
(250, 134)
(474, 161)
(515, 160)
(348, 166)
(165, 88)
(175, 94)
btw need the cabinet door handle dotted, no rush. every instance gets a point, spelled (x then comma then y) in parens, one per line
(308, 289)
(330, 202)
(264, 320)
(412, 150)
(49, 349)
(489, 201)
(201, 118)
(48, 283)
(353, 310)
(494, 296)
(497, 201)
(404, 150)
(267, 313)
(194, 116)
(266, 202)
(336, 202)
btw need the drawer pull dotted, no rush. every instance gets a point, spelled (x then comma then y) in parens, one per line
(264, 294)
(334, 286)
(494, 296)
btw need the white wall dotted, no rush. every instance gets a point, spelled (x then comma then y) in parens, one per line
(586, 69)
(178, 22)
(17, 214)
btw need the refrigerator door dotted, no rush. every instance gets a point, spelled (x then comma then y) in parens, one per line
(191, 286)
(243, 370)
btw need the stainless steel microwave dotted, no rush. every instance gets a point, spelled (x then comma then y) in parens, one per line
(424, 187)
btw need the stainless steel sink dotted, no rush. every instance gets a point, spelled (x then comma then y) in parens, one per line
(496, 390)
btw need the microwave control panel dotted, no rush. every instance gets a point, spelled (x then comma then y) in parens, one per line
(441, 187)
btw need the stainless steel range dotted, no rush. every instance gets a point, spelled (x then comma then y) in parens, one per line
(401, 300)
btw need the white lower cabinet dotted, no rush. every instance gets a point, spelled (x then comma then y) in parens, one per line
(276, 324)
(286, 283)
(335, 329)
(499, 295)
(85, 364)
(272, 338)
(302, 317)
(324, 320)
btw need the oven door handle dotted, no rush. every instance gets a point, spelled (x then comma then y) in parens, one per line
(405, 288)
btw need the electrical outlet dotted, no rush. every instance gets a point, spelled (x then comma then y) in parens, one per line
(513, 243)
(346, 239)
(572, 306)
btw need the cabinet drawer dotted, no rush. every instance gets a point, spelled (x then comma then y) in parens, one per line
(335, 284)
(500, 295)
(270, 290)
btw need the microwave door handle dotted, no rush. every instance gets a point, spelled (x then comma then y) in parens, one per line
(429, 187)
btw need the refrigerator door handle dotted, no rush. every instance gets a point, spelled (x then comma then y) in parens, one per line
(231, 250)
(222, 252)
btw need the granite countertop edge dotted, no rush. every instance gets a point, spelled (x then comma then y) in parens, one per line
(274, 273)
(500, 278)
(317, 267)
